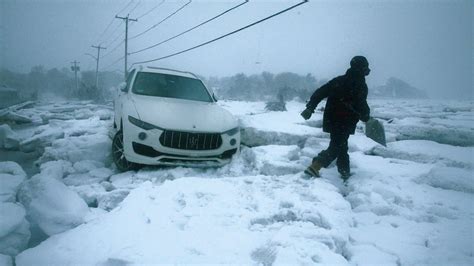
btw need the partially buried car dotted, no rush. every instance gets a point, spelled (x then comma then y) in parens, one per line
(169, 117)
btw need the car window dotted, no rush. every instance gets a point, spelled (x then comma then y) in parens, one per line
(129, 79)
(170, 86)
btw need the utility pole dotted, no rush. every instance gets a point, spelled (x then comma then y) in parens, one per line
(97, 66)
(127, 19)
(75, 68)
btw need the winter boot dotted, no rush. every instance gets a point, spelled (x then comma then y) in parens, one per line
(345, 174)
(313, 169)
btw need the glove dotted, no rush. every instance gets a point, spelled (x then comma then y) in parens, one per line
(306, 114)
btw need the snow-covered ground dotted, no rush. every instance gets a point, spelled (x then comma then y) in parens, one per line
(409, 203)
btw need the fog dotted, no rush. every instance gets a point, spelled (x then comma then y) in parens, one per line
(426, 43)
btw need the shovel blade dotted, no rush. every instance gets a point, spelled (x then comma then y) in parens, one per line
(374, 130)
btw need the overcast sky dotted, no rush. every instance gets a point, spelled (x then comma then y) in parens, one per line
(427, 43)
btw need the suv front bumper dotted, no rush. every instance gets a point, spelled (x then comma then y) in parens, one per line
(150, 151)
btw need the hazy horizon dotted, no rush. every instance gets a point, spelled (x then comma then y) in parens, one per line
(427, 44)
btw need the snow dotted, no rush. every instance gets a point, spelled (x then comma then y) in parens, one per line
(51, 205)
(11, 177)
(56, 169)
(409, 203)
(428, 152)
(5, 260)
(8, 139)
(217, 213)
(14, 229)
(449, 178)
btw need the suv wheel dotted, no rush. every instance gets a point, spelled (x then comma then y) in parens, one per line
(118, 154)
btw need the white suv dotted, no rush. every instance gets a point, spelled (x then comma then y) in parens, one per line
(168, 117)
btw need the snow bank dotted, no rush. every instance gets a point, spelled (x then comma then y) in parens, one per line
(56, 169)
(109, 200)
(14, 229)
(449, 178)
(11, 177)
(43, 137)
(277, 160)
(92, 177)
(428, 152)
(88, 147)
(8, 138)
(397, 218)
(5, 260)
(89, 193)
(440, 134)
(266, 128)
(51, 205)
(250, 220)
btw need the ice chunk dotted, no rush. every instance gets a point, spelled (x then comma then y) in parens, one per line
(277, 160)
(438, 133)
(94, 176)
(449, 178)
(256, 137)
(87, 165)
(42, 138)
(56, 169)
(88, 147)
(83, 114)
(11, 177)
(104, 114)
(51, 205)
(5, 260)
(197, 220)
(112, 199)
(428, 152)
(8, 138)
(89, 193)
(14, 229)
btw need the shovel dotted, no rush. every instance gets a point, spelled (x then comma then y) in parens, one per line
(374, 129)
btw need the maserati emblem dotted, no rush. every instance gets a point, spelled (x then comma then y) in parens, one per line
(193, 142)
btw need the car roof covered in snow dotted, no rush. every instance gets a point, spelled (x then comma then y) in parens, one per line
(168, 71)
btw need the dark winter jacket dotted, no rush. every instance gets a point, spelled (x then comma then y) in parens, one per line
(346, 102)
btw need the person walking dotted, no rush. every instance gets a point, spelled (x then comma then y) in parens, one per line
(346, 104)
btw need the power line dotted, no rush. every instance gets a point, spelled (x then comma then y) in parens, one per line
(135, 7)
(115, 62)
(125, 7)
(112, 20)
(113, 49)
(116, 38)
(112, 33)
(151, 10)
(163, 20)
(188, 30)
(225, 35)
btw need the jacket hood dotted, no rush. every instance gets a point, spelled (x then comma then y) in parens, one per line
(183, 115)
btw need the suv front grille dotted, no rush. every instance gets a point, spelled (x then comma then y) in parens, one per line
(190, 141)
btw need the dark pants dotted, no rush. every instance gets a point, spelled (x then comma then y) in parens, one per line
(337, 149)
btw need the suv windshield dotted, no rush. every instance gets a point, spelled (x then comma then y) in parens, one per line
(170, 86)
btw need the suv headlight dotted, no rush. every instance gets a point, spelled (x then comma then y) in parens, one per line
(232, 131)
(141, 124)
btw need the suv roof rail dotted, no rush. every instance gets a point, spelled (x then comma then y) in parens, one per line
(163, 68)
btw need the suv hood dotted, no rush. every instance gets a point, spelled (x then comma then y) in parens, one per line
(183, 115)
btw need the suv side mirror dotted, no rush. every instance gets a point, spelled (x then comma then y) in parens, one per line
(123, 87)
